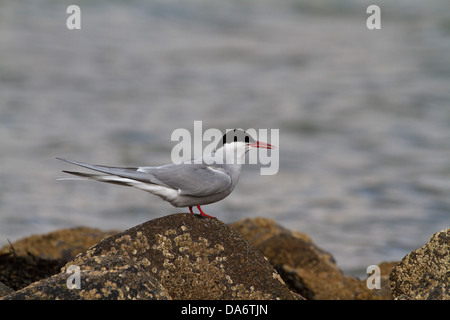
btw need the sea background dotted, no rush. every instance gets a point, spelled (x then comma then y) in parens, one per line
(363, 115)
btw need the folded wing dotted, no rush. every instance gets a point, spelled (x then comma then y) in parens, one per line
(187, 178)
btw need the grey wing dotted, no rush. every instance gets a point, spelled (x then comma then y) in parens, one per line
(130, 173)
(188, 179)
(191, 179)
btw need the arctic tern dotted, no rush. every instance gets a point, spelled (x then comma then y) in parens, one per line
(191, 183)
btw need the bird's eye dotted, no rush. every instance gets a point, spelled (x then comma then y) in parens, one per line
(224, 139)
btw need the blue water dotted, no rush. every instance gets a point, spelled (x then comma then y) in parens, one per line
(364, 116)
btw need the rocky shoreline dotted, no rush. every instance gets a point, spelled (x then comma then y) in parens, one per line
(185, 256)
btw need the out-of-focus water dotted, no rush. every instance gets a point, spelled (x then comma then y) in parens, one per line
(364, 116)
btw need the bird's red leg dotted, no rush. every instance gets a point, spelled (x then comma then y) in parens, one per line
(190, 209)
(204, 214)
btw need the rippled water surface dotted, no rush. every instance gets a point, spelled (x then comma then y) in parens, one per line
(364, 116)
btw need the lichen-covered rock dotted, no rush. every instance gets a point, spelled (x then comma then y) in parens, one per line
(424, 274)
(40, 256)
(306, 268)
(129, 282)
(181, 256)
(62, 244)
(4, 290)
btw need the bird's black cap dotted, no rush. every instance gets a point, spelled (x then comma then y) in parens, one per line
(235, 135)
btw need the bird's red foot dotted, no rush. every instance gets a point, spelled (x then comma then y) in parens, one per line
(204, 214)
(201, 212)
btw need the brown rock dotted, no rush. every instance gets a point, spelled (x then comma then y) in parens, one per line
(17, 272)
(181, 256)
(130, 282)
(385, 270)
(62, 244)
(306, 269)
(4, 290)
(40, 256)
(424, 274)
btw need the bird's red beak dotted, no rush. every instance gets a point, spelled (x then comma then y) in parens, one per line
(262, 145)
